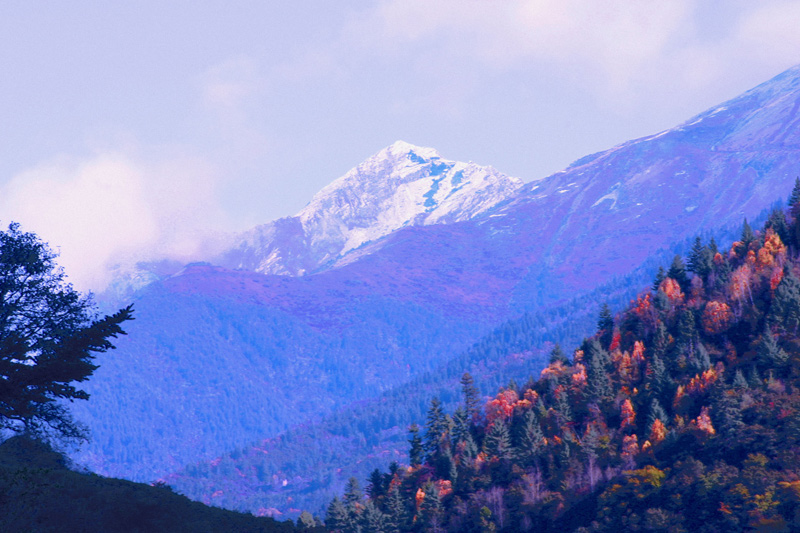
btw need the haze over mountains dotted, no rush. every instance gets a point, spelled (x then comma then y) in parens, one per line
(401, 265)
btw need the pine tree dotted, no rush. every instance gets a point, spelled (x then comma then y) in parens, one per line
(713, 248)
(677, 271)
(700, 259)
(656, 413)
(531, 442)
(598, 383)
(396, 514)
(728, 414)
(785, 309)
(747, 236)
(372, 519)
(437, 429)
(472, 397)
(337, 518)
(352, 493)
(770, 355)
(376, 487)
(794, 198)
(605, 326)
(660, 276)
(557, 354)
(777, 221)
(461, 426)
(739, 381)
(431, 510)
(416, 452)
(497, 442)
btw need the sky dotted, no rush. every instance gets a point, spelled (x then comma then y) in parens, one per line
(137, 130)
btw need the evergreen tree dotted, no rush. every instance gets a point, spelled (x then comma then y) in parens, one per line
(337, 517)
(728, 414)
(754, 379)
(605, 326)
(656, 413)
(461, 425)
(794, 198)
(431, 510)
(372, 519)
(376, 487)
(770, 355)
(416, 452)
(352, 493)
(701, 259)
(472, 397)
(660, 276)
(677, 271)
(497, 442)
(396, 515)
(713, 248)
(598, 383)
(785, 309)
(739, 381)
(557, 354)
(747, 236)
(437, 429)
(531, 442)
(777, 221)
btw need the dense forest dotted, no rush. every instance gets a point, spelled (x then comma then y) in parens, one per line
(373, 431)
(681, 413)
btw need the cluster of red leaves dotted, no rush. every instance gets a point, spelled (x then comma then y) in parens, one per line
(717, 317)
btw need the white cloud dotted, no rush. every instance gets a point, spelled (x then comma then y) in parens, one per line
(114, 208)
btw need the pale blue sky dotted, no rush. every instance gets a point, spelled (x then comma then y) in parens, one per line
(132, 129)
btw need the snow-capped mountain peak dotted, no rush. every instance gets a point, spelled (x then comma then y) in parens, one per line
(401, 185)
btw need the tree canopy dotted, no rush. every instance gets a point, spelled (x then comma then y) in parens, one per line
(49, 334)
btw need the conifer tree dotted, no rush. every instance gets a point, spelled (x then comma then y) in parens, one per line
(777, 221)
(337, 517)
(713, 248)
(677, 271)
(794, 198)
(785, 309)
(497, 442)
(352, 493)
(605, 326)
(739, 381)
(770, 355)
(557, 354)
(461, 425)
(661, 275)
(372, 519)
(472, 397)
(416, 452)
(431, 510)
(531, 442)
(376, 487)
(657, 412)
(437, 428)
(747, 236)
(396, 514)
(598, 383)
(700, 260)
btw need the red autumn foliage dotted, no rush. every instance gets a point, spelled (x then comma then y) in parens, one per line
(717, 317)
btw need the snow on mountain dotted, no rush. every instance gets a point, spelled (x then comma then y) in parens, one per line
(402, 185)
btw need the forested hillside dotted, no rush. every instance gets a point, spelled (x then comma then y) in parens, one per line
(680, 414)
(368, 434)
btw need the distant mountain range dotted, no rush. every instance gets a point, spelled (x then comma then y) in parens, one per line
(401, 265)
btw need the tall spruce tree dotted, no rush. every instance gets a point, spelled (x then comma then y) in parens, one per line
(605, 326)
(472, 396)
(557, 354)
(747, 237)
(416, 451)
(531, 442)
(497, 442)
(785, 308)
(677, 271)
